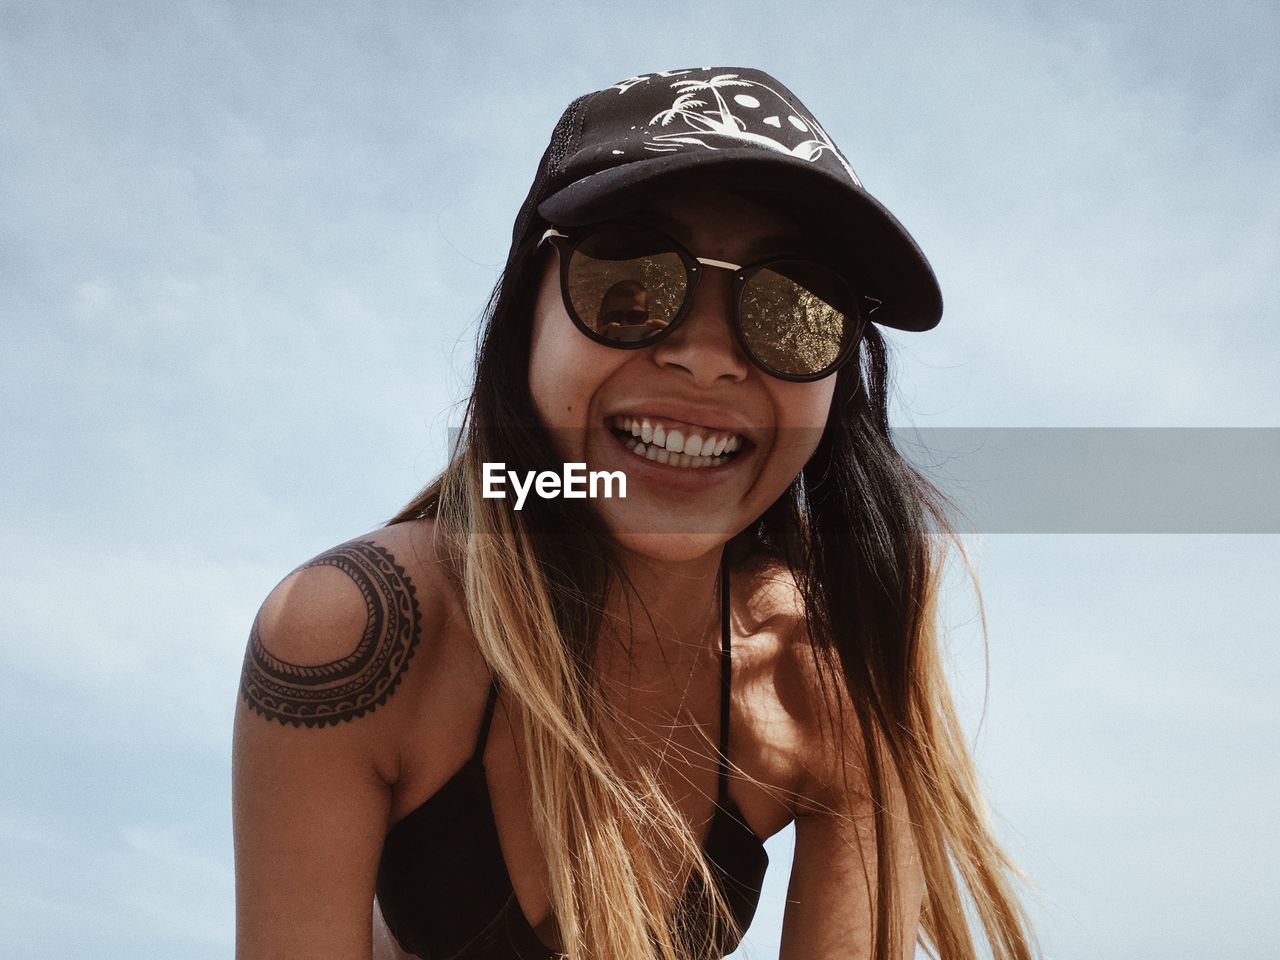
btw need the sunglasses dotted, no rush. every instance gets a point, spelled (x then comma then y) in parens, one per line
(628, 285)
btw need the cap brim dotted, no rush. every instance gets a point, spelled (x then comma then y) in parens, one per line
(886, 260)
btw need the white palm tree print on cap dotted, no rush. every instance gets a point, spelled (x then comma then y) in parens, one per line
(710, 121)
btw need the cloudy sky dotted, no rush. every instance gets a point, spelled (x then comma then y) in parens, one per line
(243, 247)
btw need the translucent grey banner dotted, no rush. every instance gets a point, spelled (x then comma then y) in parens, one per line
(1103, 480)
(1045, 480)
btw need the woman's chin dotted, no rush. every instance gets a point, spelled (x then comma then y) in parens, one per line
(666, 532)
(667, 547)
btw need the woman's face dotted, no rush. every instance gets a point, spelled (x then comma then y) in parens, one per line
(695, 382)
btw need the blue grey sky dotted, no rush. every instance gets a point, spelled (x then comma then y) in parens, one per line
(243, 249)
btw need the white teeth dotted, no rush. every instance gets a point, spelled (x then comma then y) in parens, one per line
(662, 455)
(649, 440)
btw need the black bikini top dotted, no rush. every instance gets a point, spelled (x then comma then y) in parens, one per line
(443, 884)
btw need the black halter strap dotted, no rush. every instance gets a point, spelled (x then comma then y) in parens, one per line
(483, 738)
(726, 680)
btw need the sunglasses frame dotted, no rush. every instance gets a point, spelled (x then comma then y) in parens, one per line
(567, 243)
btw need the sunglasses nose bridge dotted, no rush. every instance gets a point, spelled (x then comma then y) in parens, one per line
(734, 283)
(704, 342)
(719, 264)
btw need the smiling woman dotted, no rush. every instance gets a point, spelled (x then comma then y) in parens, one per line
(566, 726)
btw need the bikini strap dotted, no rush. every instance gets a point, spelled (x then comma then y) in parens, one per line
(726, 680)
(478, 754)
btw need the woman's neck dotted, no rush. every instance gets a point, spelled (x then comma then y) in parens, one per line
(667, 613)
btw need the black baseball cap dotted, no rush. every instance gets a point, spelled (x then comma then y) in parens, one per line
(617, 147)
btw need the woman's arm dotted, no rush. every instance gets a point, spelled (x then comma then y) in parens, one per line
(311, 802)
(828, 915)
(830, 896)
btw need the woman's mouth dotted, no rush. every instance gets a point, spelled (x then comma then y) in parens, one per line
(676, 444)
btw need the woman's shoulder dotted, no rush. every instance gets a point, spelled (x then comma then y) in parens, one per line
(768, 600)
(341, 634)
(769, 612)
(389, 576)
(799, 693)
(766, 587)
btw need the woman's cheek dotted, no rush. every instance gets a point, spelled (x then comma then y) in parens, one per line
(802, 410)
(566, 372)
(553, 364)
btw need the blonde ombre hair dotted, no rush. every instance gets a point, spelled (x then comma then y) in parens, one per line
(864, 537)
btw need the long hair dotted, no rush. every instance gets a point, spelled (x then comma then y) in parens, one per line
(862, 534)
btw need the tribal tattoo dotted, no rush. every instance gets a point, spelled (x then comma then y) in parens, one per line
(322, 694)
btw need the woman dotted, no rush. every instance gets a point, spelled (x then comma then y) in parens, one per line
(568, 727)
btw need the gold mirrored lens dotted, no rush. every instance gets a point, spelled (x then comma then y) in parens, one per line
(626, 283)
(797, 316)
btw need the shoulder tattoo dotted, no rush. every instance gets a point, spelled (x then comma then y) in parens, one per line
(322, 694)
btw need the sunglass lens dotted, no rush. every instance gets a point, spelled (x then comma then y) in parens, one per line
(625, 283)
(798, 317)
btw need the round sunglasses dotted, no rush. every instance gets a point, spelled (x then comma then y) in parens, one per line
(628, 285)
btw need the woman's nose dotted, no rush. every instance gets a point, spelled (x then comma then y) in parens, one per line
(704, 345)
